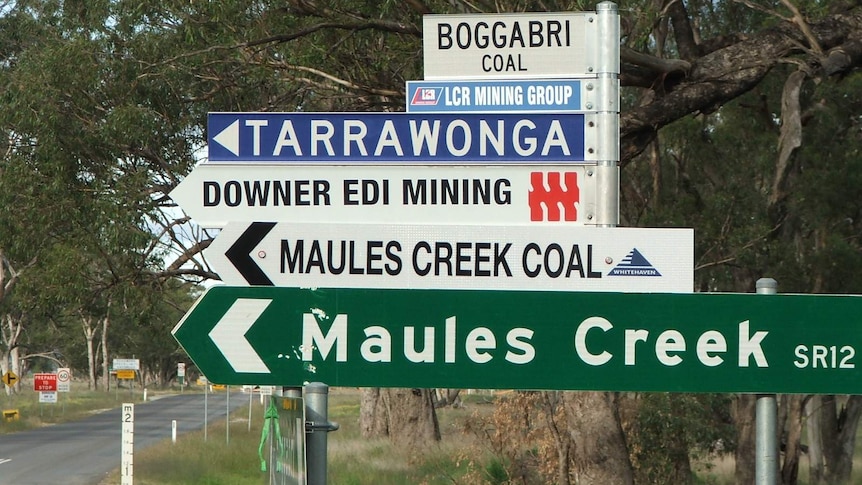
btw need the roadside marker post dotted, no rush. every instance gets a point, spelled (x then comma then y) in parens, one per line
(127, 449)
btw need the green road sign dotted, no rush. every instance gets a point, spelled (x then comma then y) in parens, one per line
(700, 342)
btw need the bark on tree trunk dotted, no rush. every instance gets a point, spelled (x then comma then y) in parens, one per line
(89, 336)
(373, 419)
(106, 375)
(562, 440)
(744, 413)
(790, 468)
(10, 331)
(848, 423)
(406, 416)
(816, 464)
(829, 434)
(599, 453)
(412, 418)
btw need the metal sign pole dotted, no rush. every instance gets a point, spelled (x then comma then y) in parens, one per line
(766, 419)
(317, 425)
(608, 115)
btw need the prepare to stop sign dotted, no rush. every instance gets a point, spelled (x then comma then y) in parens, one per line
(45, 382)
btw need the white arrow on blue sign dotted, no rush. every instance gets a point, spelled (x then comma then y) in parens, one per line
(347, 138)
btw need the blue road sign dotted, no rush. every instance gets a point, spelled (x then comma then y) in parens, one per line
(562, 95)
(398, 138)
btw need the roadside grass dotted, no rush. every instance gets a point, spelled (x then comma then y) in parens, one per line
(351, 459)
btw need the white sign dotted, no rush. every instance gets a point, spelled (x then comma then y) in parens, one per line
(127, 448)
(181, 369)
(215, 194)
(503, 46)
(48, 397)
(127, 364)
(64, 379)
(560, 258)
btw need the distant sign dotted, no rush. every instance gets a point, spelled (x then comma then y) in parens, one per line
(524, 45)
(563, 95)
(44, 382)
(563, 258)
(127, 364)
(347, 138)
(215, 194)
(126, 374)
(64, 379)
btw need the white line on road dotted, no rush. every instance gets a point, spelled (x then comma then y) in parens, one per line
(5, 460)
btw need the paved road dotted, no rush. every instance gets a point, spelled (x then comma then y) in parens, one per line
(84, 452)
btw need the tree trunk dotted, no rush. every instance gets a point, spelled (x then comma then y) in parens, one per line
(106, 374)
(816, 463)
(10, 331)
(744, 414)
(373, 419)
(828, 416)
(599, 453)
(790, 468)
(89, 336)
(406, 415)
(848, 422)
(562, 440)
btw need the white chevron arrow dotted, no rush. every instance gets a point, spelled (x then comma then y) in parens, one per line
(229, 335)
(229, 138)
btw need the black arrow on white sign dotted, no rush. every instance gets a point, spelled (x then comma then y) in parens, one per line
(239, 253)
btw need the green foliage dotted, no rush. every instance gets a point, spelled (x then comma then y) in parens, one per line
(495, 473)
(672, 430)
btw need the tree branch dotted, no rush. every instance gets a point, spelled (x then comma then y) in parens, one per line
(682, 31)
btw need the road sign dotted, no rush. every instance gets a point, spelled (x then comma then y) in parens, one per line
(215, 194)
(286, 440)
(64, 379)
(525, 45)
(563, 95)
(348, 138)
(660, 342)
(49, 397)
(10, 378)
(44, 382)
(127, 374)
(127, 364)
(561, 258)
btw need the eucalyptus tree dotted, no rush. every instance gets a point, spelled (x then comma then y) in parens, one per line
(88, 159)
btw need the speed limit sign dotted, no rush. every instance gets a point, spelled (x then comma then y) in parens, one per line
(64, 379)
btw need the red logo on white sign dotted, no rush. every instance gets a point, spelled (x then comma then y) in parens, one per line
(559, 197)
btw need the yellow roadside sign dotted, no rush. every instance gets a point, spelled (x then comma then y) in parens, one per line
(125, 374)
(10, 379)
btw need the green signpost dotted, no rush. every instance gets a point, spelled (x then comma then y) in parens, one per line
(696, 342)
